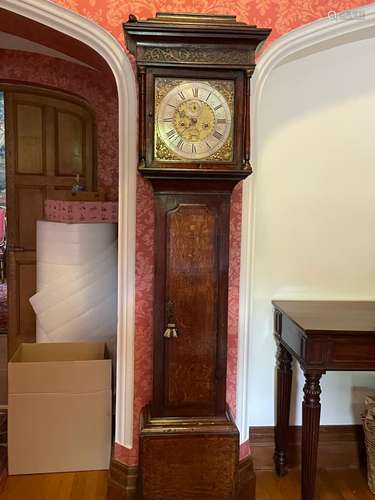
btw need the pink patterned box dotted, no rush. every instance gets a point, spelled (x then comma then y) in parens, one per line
(77, 211)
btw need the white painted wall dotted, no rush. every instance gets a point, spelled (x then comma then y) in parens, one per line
(314, 210)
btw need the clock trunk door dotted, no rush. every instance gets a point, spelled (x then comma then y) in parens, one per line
(190, 333)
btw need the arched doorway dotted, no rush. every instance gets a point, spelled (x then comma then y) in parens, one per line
(314, 43)
(97, 48)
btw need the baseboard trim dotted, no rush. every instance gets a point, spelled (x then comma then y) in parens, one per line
(340, 447)
(122, 481)
(246, 479)
(3, 450)
(3, 468)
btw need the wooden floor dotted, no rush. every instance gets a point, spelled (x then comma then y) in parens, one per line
(331, 485)
(68, 486)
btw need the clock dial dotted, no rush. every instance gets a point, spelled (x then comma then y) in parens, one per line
(194, 121)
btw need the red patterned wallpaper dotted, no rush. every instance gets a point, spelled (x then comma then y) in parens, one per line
(97, 88)
(281, 16)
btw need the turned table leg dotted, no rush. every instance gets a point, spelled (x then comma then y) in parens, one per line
(310, 433)
(284, 384)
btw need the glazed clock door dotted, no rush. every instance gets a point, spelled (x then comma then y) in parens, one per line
(190, 331)
(193, 120)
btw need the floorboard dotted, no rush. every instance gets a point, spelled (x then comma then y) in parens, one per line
(331, 485)
(67, 486)
(350, 484)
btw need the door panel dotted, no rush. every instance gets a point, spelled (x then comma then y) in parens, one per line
(192, 294)
(21, 286)
(71, 144)
(30, 208)
(26, 272)
(29, 139)
(49, 139)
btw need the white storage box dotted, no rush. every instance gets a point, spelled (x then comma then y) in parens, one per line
(76, 299)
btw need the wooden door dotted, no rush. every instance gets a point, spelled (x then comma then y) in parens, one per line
(49, 139)
(191, 292)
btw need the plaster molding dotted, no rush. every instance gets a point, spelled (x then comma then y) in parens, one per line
(323, 34)
(13, 42)
(81, 28)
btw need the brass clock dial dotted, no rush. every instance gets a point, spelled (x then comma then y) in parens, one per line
(194, 120)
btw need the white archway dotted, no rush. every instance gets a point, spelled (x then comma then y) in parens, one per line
(91, 34)
(337, 29)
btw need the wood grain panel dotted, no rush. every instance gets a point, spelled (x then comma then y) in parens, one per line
(30, 204)
(22, 275)
(71, 147)
(122, 481)
(353, 350)
(192, 294)
(27, 280)
(29, 138)
(188, 458)
(3, 370)
(191, 291)
(188, 469)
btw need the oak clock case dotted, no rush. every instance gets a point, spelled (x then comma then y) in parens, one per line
(194, 146)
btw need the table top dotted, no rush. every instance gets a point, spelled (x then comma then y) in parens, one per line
(329, 316)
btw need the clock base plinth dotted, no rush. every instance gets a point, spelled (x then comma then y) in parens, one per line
(188, 458)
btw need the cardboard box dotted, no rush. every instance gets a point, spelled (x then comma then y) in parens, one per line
(59, 415)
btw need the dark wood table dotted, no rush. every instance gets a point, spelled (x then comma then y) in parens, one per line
(322, 336)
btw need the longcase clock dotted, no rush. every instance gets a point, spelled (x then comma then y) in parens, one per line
(194, 76)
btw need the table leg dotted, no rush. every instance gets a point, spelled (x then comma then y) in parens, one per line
(310, 433)
(284, 385)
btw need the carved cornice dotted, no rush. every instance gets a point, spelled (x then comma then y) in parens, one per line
(230, 56)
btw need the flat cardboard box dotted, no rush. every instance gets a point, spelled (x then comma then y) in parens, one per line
(59, 414)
